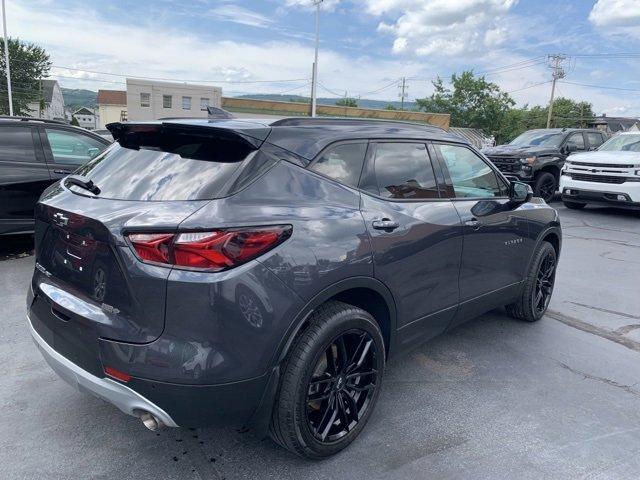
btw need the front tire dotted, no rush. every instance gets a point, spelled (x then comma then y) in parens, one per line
(330, 382)
(545, 186)
(538, 286)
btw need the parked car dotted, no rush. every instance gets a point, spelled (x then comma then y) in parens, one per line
(610, 176)
(35, 153)
(536, 156)
(287, 261)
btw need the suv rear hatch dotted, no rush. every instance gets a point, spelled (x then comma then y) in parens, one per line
(88, 283)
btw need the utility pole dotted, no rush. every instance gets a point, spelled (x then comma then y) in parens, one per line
(403, 91)
(314, 76)
(6, 57)
(558, 72)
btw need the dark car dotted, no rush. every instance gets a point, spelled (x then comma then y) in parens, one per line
(237, 271)
(536, 157)
(34, 154)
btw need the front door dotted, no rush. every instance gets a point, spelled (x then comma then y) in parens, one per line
(416, 237)
(496, 246)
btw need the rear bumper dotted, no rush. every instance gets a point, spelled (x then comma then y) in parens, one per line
(123, 397)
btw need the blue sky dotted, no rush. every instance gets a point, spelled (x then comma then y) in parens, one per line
(366, 45)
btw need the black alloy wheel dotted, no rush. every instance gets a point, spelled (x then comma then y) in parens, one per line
(544, 283)
(545, 186)
(342, 384)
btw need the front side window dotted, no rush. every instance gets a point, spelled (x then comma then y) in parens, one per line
(16, 144)
(404, 171)
(595, 139)
(342, 163)
(186, 103)
(576, 139)
(204, 103)
(470, 176)
(166, 101)
(71, 147)
(145, 99)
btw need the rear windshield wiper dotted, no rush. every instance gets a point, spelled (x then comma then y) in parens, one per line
(83, 182)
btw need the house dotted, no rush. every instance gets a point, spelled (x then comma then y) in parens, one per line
(150, 100)
(112, 107)
(86, 118)
(613, 124)
(52, 105)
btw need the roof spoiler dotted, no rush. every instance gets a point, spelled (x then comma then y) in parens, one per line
(218, 113)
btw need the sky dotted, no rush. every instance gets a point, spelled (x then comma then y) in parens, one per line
(366, 46)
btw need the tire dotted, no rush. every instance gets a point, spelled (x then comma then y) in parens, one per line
(298, 423)
(528, 307)
(574, 205)
(545, 186)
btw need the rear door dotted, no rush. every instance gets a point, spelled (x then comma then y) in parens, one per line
(594, 139)
(416, 236)
(67, 149)
(495, 235)
(23, 176)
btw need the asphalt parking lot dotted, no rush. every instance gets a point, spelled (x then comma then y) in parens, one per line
(494, 398)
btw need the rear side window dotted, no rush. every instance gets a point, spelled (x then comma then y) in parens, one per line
(576, 139)
(152, 173)
(72, 148)
(16, 144)
(404, 170)
(470, 175)
(342, 163)
(595, 139)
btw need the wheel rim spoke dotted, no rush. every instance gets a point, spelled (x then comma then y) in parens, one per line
(544, 283)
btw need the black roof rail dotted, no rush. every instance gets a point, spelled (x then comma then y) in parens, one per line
(300, 121)
(32, 119)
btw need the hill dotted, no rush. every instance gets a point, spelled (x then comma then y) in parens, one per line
(77, 97)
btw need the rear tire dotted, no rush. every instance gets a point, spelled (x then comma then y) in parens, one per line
(324, 399)
(574, 205)
(538, 286)
(545, 186)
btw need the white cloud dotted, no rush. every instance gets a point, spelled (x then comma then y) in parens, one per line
(328, 5)
(237, 14)
(617, 17)
(442, 27)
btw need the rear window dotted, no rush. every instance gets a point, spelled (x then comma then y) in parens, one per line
(154, 174)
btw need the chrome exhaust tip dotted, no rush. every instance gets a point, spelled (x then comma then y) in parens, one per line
(151, 422)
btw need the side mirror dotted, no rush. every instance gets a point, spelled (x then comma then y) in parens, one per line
(520, 192)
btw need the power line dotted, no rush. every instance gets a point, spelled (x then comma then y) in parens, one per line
(529, 86)
(602, 86)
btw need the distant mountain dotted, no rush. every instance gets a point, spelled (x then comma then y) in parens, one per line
(76, 97)
(363, 102)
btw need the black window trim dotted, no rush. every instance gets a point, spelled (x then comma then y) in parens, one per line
(499, 175)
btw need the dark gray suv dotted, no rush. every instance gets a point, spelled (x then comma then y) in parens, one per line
(205, 272)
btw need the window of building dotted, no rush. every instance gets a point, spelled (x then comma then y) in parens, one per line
(145, 99)
(204, 103)
(166, 101)
(123, 115)
(404, 170)
(186, 103)
(342, 163)
(470, 175)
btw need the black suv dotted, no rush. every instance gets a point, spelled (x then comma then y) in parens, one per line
(537, 156)
(205, 272)
(35, 153)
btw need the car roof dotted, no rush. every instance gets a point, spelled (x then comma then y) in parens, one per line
(307, 136)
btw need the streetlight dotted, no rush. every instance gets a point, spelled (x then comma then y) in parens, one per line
(314, 80)
(6, 57)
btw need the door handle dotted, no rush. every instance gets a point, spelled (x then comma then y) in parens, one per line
(385, 224)
(63, 172)
(473, 223)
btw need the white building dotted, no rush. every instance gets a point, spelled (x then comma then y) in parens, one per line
(150, 100)
(86, 118)
(112, 107)
(52, 107)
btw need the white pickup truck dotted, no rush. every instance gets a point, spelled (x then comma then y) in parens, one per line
(608, 176)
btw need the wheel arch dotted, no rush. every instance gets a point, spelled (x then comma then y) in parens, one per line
(364, 292)
(553, 170)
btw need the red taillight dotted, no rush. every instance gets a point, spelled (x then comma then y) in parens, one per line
(214, 250)
(117, 374)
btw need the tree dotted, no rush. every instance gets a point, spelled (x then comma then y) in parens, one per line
(29, 63)
(390, 107)
(473, 102)
(347, 102)
(74, 121)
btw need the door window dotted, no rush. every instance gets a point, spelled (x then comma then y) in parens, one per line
(470, 175)
(16, 144)
(594, 138)
(71, 147)
(404, 170)
(576, 139)
(342, 163)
